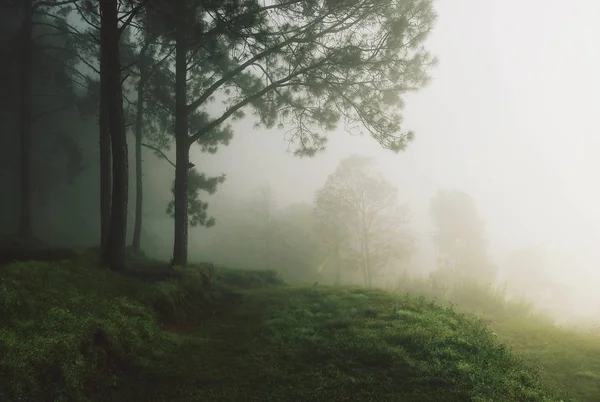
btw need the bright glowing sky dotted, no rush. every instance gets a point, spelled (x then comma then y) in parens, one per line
(509, 117)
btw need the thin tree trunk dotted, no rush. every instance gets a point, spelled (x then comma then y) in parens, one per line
(367, 260)
(337, 280)
(139, 182)
(366, 252)
(105, 165)
(114, 255)
(25, 219)
(180, 244)
(105, 154)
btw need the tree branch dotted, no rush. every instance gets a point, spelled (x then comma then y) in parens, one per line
(247, 100)
(230, 75)
(157, 150)
(280, 5)
(157, 65)
(83, 17)
(132, 15)
(47, 112)
(87, 63)
(71, 30)
(53, 4)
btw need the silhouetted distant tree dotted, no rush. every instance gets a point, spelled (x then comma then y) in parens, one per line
(361, 220)
(460, 237)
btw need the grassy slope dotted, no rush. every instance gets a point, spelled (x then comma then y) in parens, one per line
(73, 333)
(323, 344)
(570, 360)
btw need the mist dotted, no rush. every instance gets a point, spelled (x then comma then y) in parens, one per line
(448, 252)
(507, 118)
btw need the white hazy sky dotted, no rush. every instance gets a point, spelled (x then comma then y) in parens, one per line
(509, 117)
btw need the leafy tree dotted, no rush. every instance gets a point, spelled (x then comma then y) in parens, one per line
(148, 89)
(169, 22)
(359, 209)
(330, 220)
(113, 188)
(308, 65)
(138, 64)
(460, 237)
(198, 209)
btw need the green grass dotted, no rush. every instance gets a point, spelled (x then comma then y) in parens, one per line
(67, 331)
(570, 359)
(70, 332)
(324, 344)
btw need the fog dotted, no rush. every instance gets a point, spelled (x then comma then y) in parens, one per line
(467, 263)
(508, 118)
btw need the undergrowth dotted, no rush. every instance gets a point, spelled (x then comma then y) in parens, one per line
(568, 357)
(69, 330)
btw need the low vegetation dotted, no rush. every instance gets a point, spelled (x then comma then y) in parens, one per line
(568, 358)
(70, 332)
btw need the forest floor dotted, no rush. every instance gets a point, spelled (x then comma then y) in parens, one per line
(72, 332)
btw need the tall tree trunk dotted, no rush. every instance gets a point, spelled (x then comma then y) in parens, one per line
(105, 162)
(105, 154)
(136, 244)
(180, 244)
(25, 220)
(114, 254)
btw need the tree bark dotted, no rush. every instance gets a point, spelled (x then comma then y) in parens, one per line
(180, 244)
(25, 218)
(136, 243)
(114, 254)
(105, 162)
